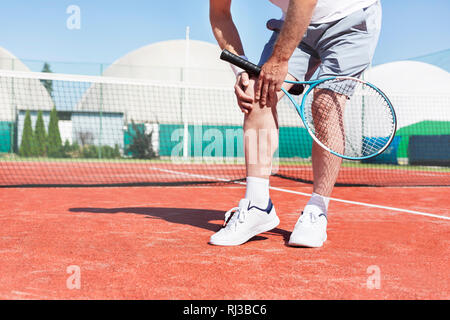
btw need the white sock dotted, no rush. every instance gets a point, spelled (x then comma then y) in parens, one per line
(317, 204)
(257, 192)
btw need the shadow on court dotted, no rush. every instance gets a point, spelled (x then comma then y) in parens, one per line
(199, 218)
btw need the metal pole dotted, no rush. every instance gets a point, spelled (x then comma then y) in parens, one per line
(101, 115)
(185, 100)
(13, 111)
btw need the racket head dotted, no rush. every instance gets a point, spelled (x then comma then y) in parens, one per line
(349, 117)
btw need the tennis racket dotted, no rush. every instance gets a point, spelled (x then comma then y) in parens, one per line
(346, 116)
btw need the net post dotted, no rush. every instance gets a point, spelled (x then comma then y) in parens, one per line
(101, 116)
(185, 103)
(13, 111)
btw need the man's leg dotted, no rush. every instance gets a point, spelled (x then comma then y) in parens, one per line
(328, 108)
(260, 143)
(350, 60)
(255, 213)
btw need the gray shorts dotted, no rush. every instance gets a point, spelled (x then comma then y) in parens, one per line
(340, 48)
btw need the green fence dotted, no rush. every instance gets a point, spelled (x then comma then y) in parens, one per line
(6, 136)
(226, 141)
(424, 128)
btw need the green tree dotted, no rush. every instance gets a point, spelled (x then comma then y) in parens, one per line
(48, 84)
(55, 148)
(67, 148)
(27, 146)
(141, 146)
(40, 136)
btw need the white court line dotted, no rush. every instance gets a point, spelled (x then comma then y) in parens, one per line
(308, 195)
(369, 205)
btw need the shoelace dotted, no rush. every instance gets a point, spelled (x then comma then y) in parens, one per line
(237, 215)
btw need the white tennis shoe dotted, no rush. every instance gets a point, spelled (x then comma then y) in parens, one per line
(309, 231)
(244, 222)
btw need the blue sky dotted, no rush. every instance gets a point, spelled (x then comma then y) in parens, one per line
(36, 30)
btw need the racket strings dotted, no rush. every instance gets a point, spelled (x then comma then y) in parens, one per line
(349, 117)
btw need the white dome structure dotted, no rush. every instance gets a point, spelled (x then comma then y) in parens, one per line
(410, 77)
(9, 62)
(162, 86)
(193, 61)
(157, 88)
(417, 90)
(19, 93)
(208, 99)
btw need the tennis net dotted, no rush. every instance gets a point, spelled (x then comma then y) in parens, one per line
(69, 130)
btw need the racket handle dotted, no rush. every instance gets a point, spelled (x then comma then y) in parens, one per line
(251, 68)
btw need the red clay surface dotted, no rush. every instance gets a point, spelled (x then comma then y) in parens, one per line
(151, 243)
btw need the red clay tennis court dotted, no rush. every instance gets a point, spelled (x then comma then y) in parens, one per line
(152, 243)
(96, 221)
(122, 146)
(87, 218)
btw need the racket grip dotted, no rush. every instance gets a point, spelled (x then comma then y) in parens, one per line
(251, 68)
